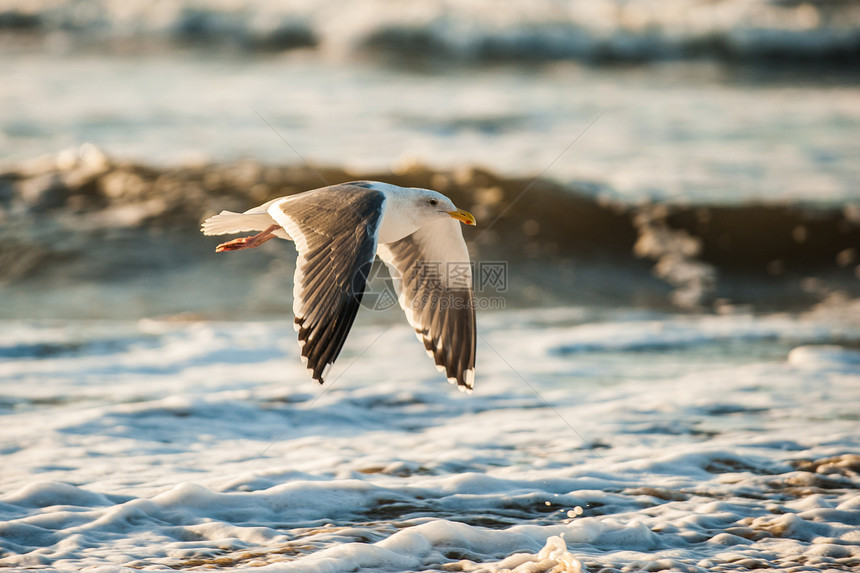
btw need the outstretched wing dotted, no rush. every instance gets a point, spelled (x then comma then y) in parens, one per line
(335, 230)
(433, 277)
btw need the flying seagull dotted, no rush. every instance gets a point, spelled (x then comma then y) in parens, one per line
(338, 230)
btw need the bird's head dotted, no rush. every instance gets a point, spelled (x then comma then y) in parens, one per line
(432, 204)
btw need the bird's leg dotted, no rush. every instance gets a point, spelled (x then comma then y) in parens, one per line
(248, 242)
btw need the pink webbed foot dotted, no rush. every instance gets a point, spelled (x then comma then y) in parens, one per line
(236, 245)
(248, 242)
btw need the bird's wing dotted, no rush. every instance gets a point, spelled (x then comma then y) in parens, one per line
(433, 278)
(335, 230)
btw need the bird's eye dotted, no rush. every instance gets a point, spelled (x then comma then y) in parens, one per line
(433, 202)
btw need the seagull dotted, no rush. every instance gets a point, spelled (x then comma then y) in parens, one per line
(338, 230)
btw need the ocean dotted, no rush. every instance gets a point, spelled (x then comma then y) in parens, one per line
(668, 371)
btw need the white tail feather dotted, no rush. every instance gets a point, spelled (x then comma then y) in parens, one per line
(228, 222)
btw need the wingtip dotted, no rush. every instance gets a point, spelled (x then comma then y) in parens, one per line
(320, 379)
(466, 384)
(469, 379)
(322, 376)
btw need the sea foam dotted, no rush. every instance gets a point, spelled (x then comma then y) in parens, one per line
(687, 456)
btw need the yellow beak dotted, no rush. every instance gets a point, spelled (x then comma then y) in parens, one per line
(462, 216)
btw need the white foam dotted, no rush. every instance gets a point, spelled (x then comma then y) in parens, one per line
(825, 356)
(723, 438)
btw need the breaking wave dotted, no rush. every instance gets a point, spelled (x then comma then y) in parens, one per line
(593, 30)
(82, 218)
